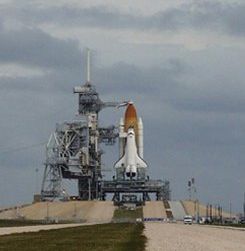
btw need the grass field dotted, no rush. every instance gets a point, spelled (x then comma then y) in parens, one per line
(109, 237)
(124, 214)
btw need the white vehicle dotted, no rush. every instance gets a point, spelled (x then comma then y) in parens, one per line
(188, 219)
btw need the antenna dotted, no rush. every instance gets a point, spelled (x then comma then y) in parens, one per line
(244, 207)
(88, 65)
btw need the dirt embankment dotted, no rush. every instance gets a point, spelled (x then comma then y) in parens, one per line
(89, 211)
(191, 207)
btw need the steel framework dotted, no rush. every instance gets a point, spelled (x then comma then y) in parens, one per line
(73, 150)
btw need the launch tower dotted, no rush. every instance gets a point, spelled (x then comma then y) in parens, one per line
(73, 150)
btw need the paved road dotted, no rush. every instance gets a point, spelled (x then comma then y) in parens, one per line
(172, 237)
(14, 230)
(178, 210)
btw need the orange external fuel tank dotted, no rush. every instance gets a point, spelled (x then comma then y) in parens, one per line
(131, 120)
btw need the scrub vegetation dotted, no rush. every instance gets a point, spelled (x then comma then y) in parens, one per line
(23, 222)
(110, 237)
(19, 223)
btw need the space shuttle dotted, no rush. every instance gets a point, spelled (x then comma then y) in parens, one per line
(131, 163)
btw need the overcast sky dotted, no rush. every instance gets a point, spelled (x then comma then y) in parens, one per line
(181, 62)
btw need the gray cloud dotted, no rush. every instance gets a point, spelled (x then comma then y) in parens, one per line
(31, 46)
(206, 15)
(132, 80)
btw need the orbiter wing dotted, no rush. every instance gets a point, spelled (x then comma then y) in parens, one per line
(140, 162)
(120, 162)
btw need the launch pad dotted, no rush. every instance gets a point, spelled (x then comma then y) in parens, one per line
(73, 152)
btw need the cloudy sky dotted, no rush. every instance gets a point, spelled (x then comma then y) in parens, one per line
(182, 62)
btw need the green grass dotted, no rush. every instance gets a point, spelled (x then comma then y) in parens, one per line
(109, 237)
(121, 214)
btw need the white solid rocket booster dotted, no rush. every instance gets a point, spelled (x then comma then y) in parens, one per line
(140, 138)
(121, 137)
